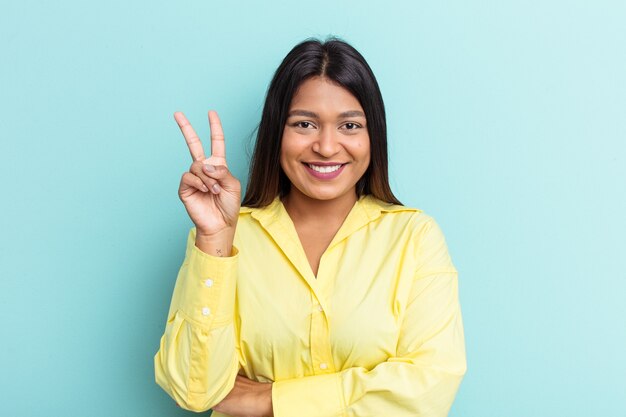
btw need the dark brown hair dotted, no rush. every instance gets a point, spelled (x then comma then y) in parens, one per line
(340, 62)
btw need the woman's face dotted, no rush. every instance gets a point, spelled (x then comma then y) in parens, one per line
(325, 148)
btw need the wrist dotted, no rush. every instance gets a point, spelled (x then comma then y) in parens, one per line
(216, 244)
(224, 234)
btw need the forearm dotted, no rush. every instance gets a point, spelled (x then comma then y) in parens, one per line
(397, 389)
(197, 361)
(196, 371)
(248, 398)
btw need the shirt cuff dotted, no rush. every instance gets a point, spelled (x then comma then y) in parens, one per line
(311, 396)
(207, 287)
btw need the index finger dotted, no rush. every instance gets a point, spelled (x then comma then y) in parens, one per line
(191, 137)
(218, 149)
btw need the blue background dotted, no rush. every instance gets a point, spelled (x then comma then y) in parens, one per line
(506, 122)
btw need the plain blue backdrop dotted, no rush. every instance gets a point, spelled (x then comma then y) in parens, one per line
(506, 123)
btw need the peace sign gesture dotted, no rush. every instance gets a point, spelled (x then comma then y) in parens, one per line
(211, 195)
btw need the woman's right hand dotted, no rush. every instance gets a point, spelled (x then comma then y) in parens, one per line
(211, 195)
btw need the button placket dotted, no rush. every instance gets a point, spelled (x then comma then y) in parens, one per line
(320, 343)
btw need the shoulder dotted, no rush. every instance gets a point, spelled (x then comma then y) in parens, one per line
(375, 207)
(429, 245)
(409, 224)
(422, 239)
(270, 209)
(422, 227)
(411, 217)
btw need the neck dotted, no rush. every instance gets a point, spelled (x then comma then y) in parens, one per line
(301, 207)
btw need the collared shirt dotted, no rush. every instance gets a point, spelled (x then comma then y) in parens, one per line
(378, 332)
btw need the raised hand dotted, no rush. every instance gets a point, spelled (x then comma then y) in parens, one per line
(211, 195)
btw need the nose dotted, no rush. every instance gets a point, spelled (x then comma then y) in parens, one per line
(326, 143)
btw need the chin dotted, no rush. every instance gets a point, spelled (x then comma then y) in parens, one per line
(323, 197)
(326, 195)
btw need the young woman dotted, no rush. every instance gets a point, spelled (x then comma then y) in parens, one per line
(320, 295)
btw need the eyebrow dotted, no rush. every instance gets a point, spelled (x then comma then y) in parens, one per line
(306, 113)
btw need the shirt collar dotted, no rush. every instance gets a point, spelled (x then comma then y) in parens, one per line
(277, 223)
(366, 209)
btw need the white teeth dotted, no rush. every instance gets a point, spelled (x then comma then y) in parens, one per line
(324, 169)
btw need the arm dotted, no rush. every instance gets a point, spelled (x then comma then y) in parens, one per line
(421, 379)
(197, 361)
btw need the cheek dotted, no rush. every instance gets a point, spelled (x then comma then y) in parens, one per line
(284, 147)
(366, 157)
(283, 160)
(364, 149)
(284, 151)
(288, 151)
(291, 147)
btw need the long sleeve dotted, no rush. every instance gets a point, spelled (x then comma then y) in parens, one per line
(197, 361)
(421, 379)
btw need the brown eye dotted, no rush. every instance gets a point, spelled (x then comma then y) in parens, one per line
(303, 125)
(351, 126)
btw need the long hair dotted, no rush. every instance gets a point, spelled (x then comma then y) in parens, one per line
(338, 61)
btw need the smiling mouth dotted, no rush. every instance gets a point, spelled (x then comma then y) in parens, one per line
(324, 169)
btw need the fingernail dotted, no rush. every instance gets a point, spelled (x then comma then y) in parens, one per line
(204, 188)
(216, 188)
(209, 168)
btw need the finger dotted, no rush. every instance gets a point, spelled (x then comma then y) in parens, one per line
(218, 148)
(211, 183)
(224, 177)
(194, 181)
(215, 171)
(191, 137)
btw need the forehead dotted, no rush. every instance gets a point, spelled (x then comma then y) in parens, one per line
(321, 94)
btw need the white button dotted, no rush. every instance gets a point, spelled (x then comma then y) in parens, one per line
(208, 282)
(323, 365)
(319, 307)
(206, 311)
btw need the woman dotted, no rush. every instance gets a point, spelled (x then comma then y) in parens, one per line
(321, 295)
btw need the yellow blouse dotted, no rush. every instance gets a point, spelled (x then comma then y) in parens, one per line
(379, 332)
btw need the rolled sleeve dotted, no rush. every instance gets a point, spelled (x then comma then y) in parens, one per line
(312, 396)
(197, 361)
(205, 292)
